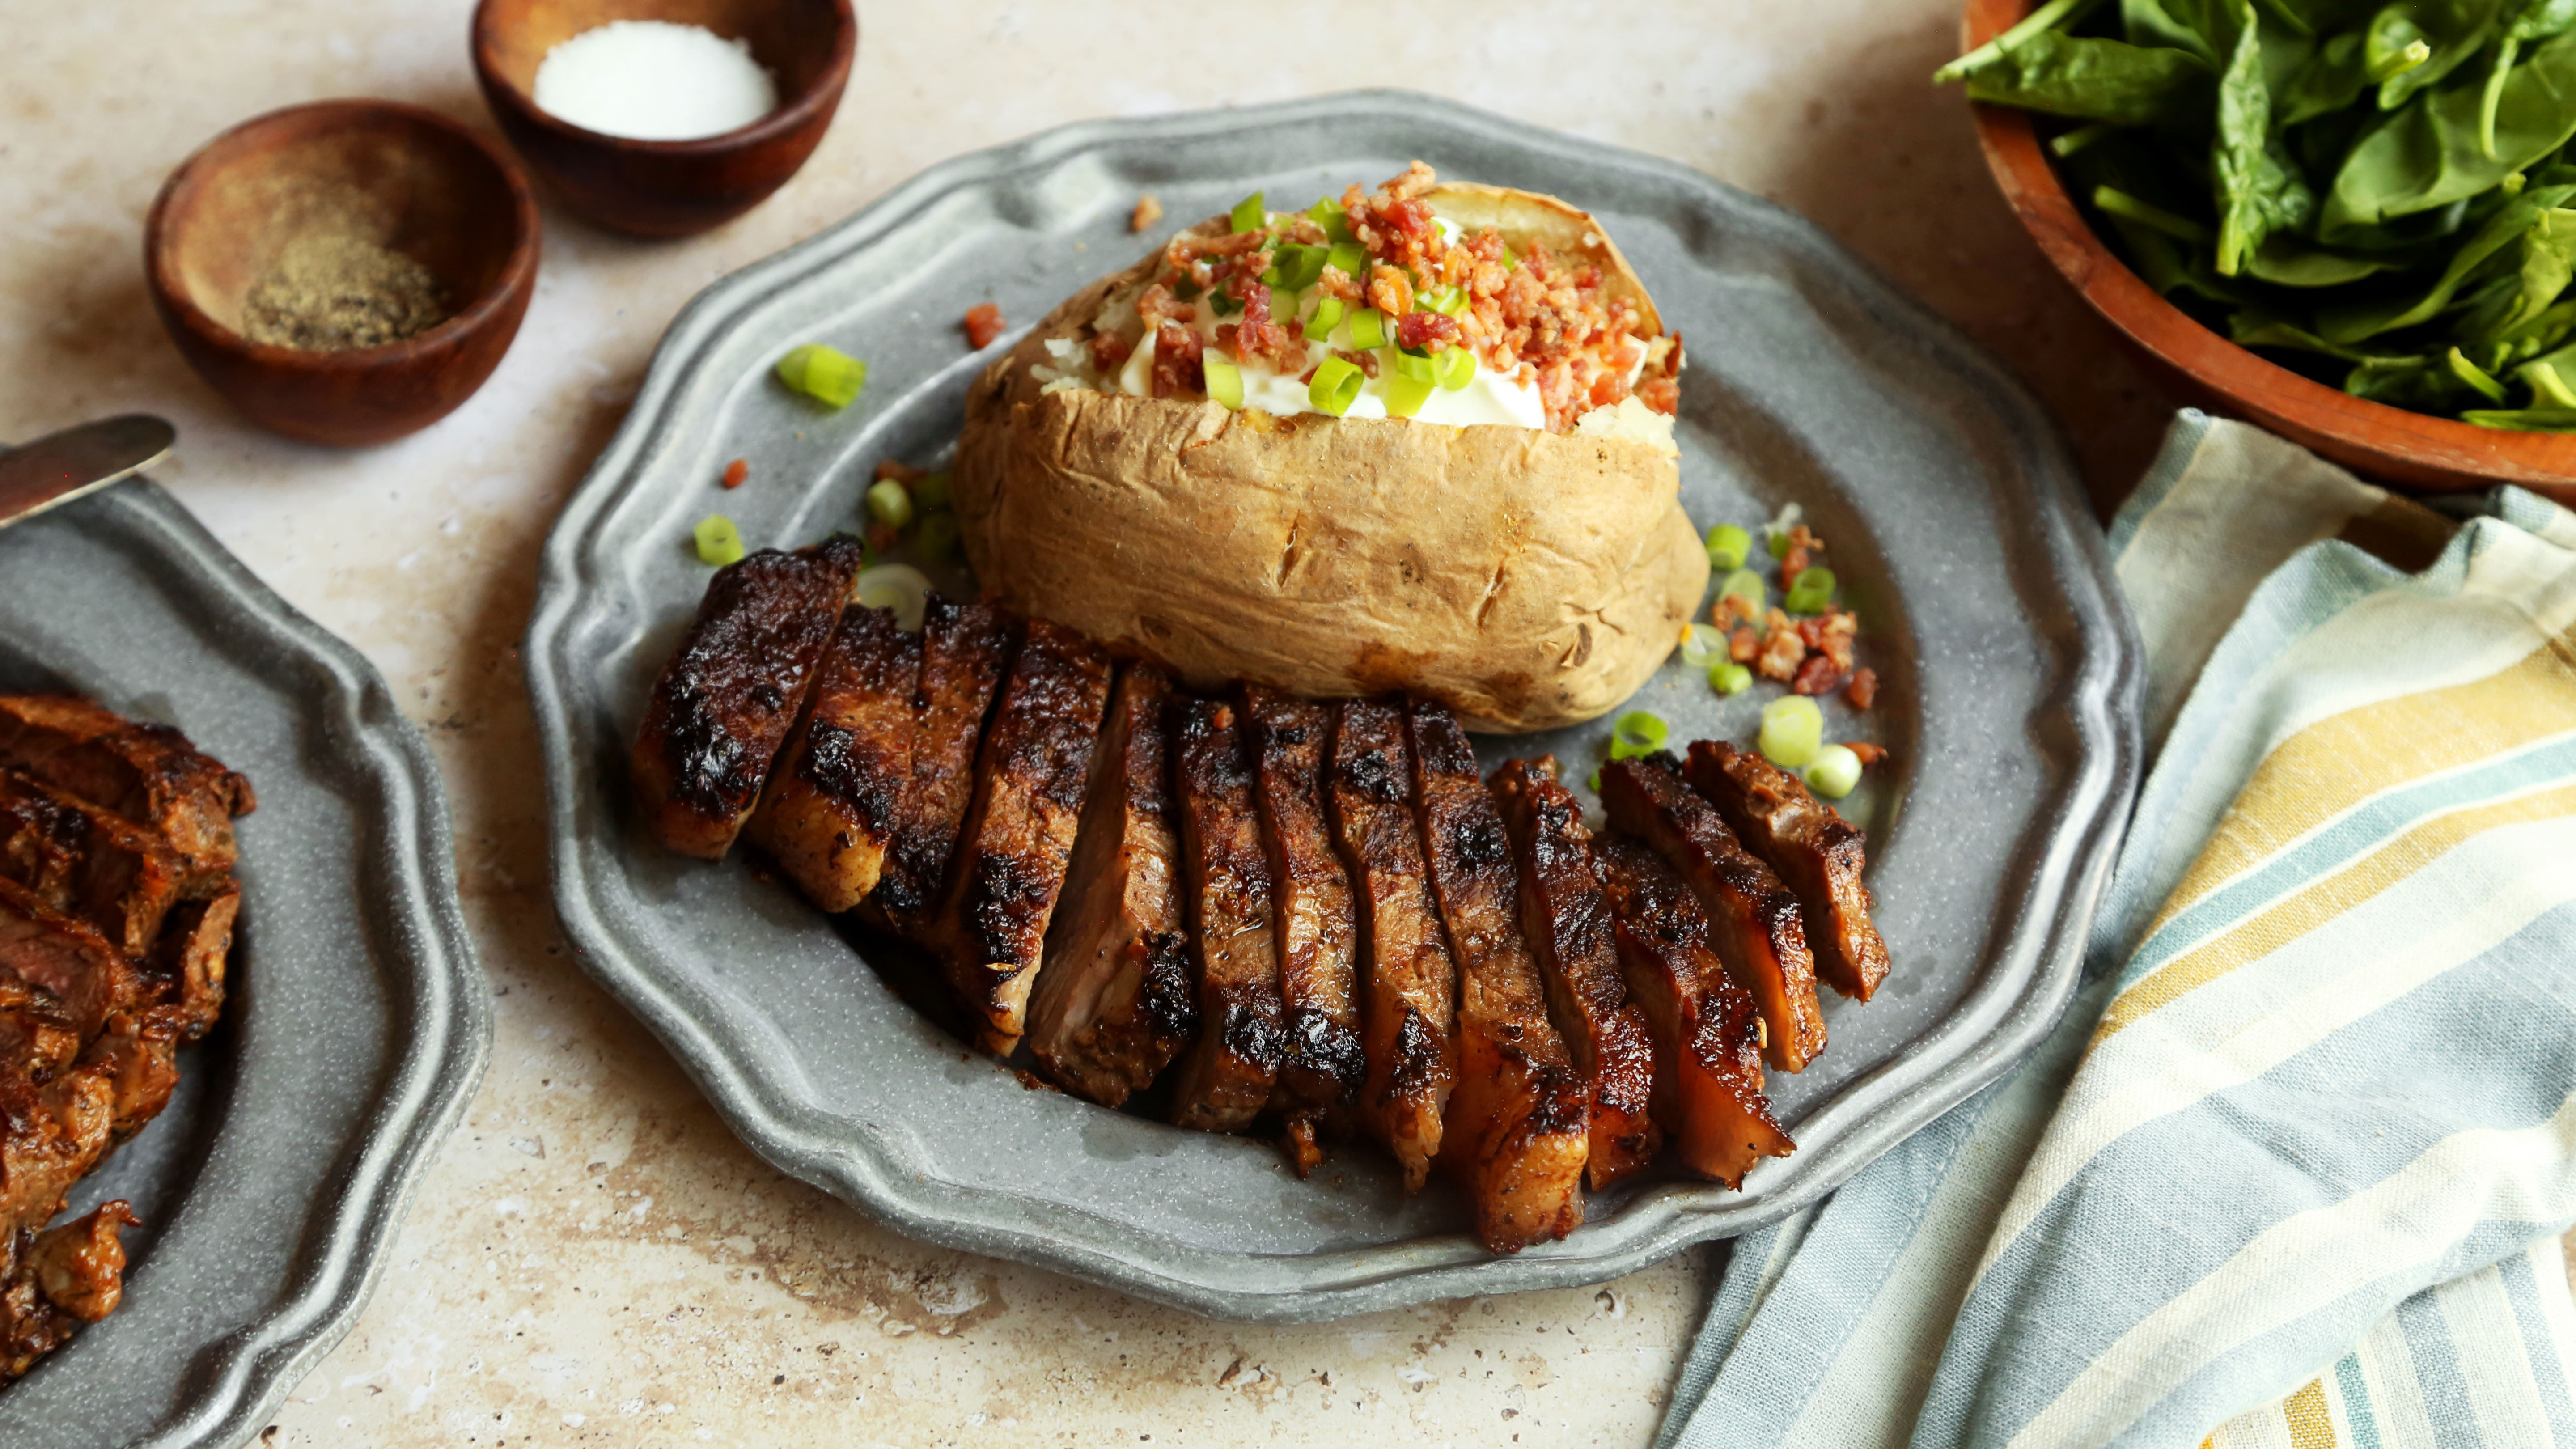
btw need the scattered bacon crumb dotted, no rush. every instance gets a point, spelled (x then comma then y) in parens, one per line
(1869, 754)
(1366, 362)
(1418, 330)
(1731, 607)
(735, 472)
(1800, 537)
(1792, 564)
(1149, 210)
(1816, 675)
(1109, 350)
(1782, 650)
(1863, 692)
(983, 324)
(1177, 369)
(1743, 646)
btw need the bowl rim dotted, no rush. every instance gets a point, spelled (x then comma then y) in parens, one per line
(790, 116)
(517, 275)
(2393, 444)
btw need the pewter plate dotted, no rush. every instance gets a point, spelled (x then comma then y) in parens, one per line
(2010, 703)
(271, 1188)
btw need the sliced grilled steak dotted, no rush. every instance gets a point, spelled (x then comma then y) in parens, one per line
(37, 1037)
(729, 693)
(1018, 837)
(65, 958)
(1519, 1124)
(1758, 932)
(188, 962)
(1708, 1065)
(137, 1053)
(68, 1276)
(51, 1134)
(148, 774)
(1317, 923)
(1569, 928)
(1115, 1001)
(1408, 982)
(1818, 856)
(964, 649)
(86, 862)
(833, 802)
(1227, 1076)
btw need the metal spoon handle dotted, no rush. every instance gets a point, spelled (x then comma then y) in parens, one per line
(60, 467)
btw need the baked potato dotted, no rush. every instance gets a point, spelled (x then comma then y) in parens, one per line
(1443, 463)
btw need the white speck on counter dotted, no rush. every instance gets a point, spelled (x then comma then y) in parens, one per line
(652, 80)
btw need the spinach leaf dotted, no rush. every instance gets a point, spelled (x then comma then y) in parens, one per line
(2055, 16)
(2260, 189)
(2545, 260)
(2355, 321)
(2451, 32)
(2255, 327)
(2154, 23)
(2428, 155)
(2285, 261)
(2524, 20)
(2096, 80)
(2426, 384)
(2332, 79)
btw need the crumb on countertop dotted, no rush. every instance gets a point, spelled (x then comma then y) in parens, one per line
(1148, 211)
(983, 324)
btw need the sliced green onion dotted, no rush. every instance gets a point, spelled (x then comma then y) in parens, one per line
(1637, 733)
(936, 538)
(719, 542)
(1727, 547)
(1405, 396)
(1812, 593)
(826, 374)
(1447, 301)
(1368, 329)
(1329, 215)
(899, 587)
(1792, 729)
(1328, 315)
(1295, 267)
(1453, 367)
(1347, 257)
(1777, 541)
(1729, 677)
(1415, 365)
(931, 494)
(1335, 388)
(1835, 771)
(1224, 381)
(890, 503)
(1744, 584)
(1247, 214)
(1703, 645)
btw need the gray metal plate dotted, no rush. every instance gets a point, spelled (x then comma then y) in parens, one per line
(2011, 670)
(358, 1024)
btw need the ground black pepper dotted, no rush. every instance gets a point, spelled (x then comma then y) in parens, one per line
(332, 290)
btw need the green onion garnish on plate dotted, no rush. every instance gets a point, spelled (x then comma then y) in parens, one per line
(719, 542)
(826, 374)
(1793, 728)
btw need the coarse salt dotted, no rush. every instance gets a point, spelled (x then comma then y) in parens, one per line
(653, 80)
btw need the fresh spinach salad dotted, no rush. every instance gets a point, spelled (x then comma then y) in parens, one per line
(2380, 196)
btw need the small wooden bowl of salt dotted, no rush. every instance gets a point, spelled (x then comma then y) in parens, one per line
(664, 117)
(343, 272)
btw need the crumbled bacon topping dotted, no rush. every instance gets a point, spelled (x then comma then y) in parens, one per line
(1782, 650)
(983, 324)
(1869, 754)
(1177, 367)
(1863, 692)
(1816, 675)
(1744, 646)
(1425, 329)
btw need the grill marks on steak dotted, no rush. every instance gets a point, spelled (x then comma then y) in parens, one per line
(1518, 1129)
(1568, 923)
(964, 649)
(1227, 1076)
(148, 774)
(1018, 837)
(1116, 1000)
(85, 862)
(729, 693)
(1408, 981)
(1708, 1068)
(1755, 921)
(834, 802)
(1818, 856)
(65, 958)
(1317, 928)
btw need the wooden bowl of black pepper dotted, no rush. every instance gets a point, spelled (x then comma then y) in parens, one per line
(344, 272)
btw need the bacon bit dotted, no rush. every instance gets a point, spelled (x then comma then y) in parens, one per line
(1192, 246)
(1109, 351)
(1800, 537)
(1149, 210)
(1869, 754)
(1607, 389)
(883, 536)
(1816, 675)
(1177, 368)
(1863, 692)
(983, 324)
(1662, 394)
(1792, 564)
(1389, 291)
(1156, 306)
(1743, 646)
(1417, 179)
(1421, 329)
(1731, 607)
(1338, 283)
(1782, 649)
(1256, 335)
(890, 470)
(735, 472)
(1833, 635)
(1366, 362)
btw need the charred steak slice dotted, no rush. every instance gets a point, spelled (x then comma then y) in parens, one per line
(1569, 928)
(964, 648)
(65, 958)
(728, 694)
(51, 1134)
(187, 963)
(68, 1276)
(1115, 1001)
(833, 802)
(1408, 983)
(1519, 1126)
(1818, 856)
(86, 862)
(1758, 932)
(148, 774)
(1317, 927)
(1018, 838)
(1708, 1065)
(1228, 1074)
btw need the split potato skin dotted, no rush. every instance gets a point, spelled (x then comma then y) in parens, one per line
(1526, 579)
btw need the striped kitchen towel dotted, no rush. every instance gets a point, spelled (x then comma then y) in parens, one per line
(2292, 1171)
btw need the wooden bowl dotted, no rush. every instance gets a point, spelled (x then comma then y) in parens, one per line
(426, 187)
(2386, 444)
(669, 188)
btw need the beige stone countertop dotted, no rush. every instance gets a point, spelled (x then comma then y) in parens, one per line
(594, 1259)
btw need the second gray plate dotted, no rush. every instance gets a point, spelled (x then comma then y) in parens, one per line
(2010, 703)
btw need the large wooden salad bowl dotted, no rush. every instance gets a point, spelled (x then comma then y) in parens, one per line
(2383, 443)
